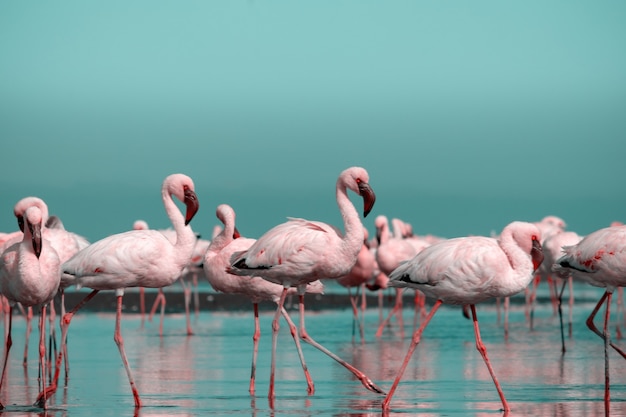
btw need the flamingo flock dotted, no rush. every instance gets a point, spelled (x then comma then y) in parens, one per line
(41, 261)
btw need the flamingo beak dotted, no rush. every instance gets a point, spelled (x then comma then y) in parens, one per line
(20, 222)
(191, 201)
(369, 198)
(35, 231)
(536, 254)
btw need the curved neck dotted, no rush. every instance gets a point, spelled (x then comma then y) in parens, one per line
(353, 228)
(519, 260)
(184, 235)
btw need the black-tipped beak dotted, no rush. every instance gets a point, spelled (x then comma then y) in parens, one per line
(191, 201)
(369, 198)
(35, 230)
(536, 254)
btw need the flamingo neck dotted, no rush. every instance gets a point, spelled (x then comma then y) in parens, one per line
(185, 237)
(519, 260)
(353, 228)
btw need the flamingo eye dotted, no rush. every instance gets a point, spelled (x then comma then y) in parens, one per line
(534, 237)
(358, 180)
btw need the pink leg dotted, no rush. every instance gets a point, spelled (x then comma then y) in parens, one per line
(417, 336)
(142, 303)
(365, 380)
(483, 352)
(570, 283)
(8, 320)
(42, 353)
(255, 350)
(53, 336)
(65, 323)
(397, 308)
(160, 299)
(119, 341)
(294, 333)
(275, 328)
(355, 315)
(187, 295)
(593, 327)
(560, 310)
(507, 305)
(607, 340)
(29, 327)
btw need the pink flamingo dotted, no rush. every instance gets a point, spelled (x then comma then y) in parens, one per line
(300, 251)
(217, 260)
(30, 275)
(466, 271)
(391, 252)
(599, 259)
(137, 258)
(64, 243)
(361, 273)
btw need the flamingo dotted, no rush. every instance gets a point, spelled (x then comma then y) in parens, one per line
(64, 243)
(217, 260)
(30, 274)
(136, 258)
(466, 271)
(600, 260)
(391, 251)
(301, 251)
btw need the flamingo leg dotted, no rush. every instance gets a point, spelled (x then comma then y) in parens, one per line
(255, 350)
(8, 320)
(397, 309)
(593, 327)
(187, 295)
(160, 299)
(42, 353)
(365, 380)
(29, 319)
(65, 324)
(607, 341)
(64, 339)
(142, 303)
(507, 305)
(560, 309)
(483, 352)
(275, 328)
(417, 336)
(119, 341)
(570, 283)
(294, 333)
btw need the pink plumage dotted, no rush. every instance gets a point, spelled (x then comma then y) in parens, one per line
(469, 270)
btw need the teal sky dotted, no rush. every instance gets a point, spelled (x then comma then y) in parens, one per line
(467, 115)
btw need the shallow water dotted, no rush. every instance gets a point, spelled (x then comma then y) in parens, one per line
(209, 371)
